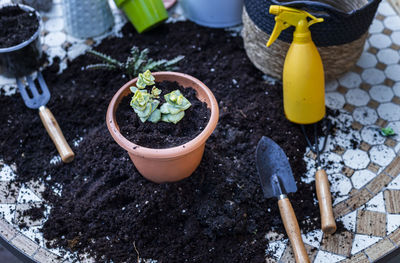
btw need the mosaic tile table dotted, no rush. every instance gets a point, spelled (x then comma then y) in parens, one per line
(365, 181)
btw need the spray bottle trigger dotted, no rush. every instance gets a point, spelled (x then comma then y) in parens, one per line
(280, 25)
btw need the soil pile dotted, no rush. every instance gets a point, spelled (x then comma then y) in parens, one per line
(16, 25)
(106, 208)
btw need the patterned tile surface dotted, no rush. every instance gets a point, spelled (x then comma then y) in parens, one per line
(363, 166)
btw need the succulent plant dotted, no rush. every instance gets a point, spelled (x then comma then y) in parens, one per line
(145, 107)
(145, 104)
(173, 110)
(137, 62)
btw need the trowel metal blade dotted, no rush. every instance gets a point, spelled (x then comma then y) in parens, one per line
(274, 170)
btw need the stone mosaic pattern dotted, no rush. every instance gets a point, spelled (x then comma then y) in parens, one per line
(363, 166)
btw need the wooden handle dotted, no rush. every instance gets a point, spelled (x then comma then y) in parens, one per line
(328, 223)
(293, 230)
(53, 129)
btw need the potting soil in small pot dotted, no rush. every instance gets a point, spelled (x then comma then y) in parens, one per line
(16, 25)
(162, 134)
(107, 209)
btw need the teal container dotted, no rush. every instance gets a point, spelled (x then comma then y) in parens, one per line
(143, 14)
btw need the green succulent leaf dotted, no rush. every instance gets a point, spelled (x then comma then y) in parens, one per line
(167, 108)
(176, 99)
(173, 118)
(155, 92)
(387, 132)
(173, 109)
(155, 116)
(145, 79)
(133, 89)
(139, 100)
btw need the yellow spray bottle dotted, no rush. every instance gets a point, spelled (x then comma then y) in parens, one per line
(303, 72)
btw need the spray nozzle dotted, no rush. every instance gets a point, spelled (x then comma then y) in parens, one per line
(286, 17)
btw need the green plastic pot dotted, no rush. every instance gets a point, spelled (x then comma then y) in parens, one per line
(143, 14)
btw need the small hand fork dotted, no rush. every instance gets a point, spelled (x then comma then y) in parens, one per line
(36, 99)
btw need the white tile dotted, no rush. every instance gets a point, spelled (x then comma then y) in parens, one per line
(356, 159)
(366, 46)
(332, 162)
(395, 183)
(389, 111)
(331, 85)
(76, 50)
(340, 187)
(376, 204)
(392, 22)
(277, 248)
(350, 80)
(326, 257)
(313, 238)
(363, 241)
(361, 178)
(357, 97)
(386, 9)
(376, 27)
(381, 93)
(367, 60)
(373, 76)
(7, 211)
(388, 56)
(54, 39)
(56, 52)
(380, 41)
(396, 37)
(365, 115)
(393, 72)
(26, 195)
(396, 89)
(381, 155)
(4, 80)
(34, 234)
(334, 100)
(7, 173)
(393, 223)
(54, 24)
(372, 136)
(55, 11)
(349, 221)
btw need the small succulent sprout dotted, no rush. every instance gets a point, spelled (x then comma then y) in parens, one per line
(155, 92)
(145, 79)
(144, 106)
(387, 132)
(173, 109)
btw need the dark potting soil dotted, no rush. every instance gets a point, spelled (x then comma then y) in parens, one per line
(109, 210)
(16, 25)
(162, 134)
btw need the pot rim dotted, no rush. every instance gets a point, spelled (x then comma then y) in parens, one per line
(33, 37)
(172, 152)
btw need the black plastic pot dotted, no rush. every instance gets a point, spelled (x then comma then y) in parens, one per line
(24, 58)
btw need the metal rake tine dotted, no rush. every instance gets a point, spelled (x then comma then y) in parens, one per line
(32, 87)
(22, 90)
(42, 83)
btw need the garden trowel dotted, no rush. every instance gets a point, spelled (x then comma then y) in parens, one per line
(277, 180)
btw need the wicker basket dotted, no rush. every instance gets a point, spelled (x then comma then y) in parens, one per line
(337, 58)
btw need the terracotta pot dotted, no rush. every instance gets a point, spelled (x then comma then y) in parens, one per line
(169, 164)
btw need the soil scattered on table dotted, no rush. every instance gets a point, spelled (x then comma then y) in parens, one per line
(107, 209)
(162, 134)
(16, 25)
